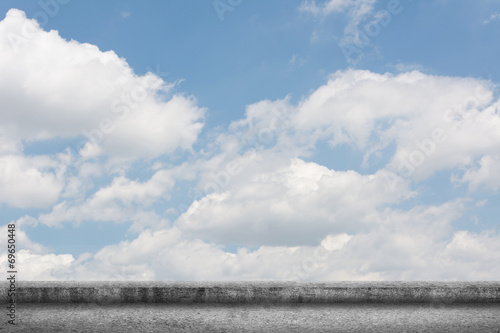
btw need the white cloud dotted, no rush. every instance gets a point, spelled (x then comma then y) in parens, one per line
(33, 261)
(493, 17)
(419, 123)
(9, 144)
(481, 203)
(311, 7)
(21, 237)
(30, 182)
(356, 10)
(43, 267)
(359, 10)
(471, 256)
(71, 89)
(281, 200)
(407, 67)
(79, 184)
(123, 200)
(288, 204)
(127, 191)
(431, 120)
(468, 247)
(415, 244)
(332, 6)
(485, 174)
(335, 242)
(166, 255)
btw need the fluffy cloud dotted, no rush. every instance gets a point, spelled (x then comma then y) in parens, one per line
(295, 204)
(30, 182)
(71, 89)
(400, 249)
(485, 174)
(430, 120)
(419, 123)
(43, 267)
(123, 200)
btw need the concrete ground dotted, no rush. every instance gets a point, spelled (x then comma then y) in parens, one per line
(81, 317)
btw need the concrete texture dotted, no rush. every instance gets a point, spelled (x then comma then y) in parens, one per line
(255, 292)
(220, 318)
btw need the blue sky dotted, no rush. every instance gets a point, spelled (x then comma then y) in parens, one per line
(251, 140)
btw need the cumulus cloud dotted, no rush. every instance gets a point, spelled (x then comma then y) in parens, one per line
(54, 89)
(293, 204)
(419, 123)
(30, 182)
(486, 173)
(414, 245)
(430, 120)
(43, 267)
(124, 200)
(71, 89)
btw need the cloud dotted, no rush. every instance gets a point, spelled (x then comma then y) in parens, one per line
(123, 200)
(418, 244)
(430, 120)
(466, 247)
(419, 124)
(356, 10)
(72, 90)
(493, 17)
(404, 67)
(288, 204)
(485, 174)
(332, 6)
(30, 182)
(125, 14)
(43, 267)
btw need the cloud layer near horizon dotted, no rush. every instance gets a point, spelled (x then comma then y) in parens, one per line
(257, 184)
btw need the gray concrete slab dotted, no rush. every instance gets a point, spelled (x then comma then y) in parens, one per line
(211, 318)
(254, 292)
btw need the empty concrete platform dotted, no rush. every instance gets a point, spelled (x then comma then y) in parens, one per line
(255, 292)
(256, 307)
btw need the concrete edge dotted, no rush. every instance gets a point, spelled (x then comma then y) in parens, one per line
(252, 292)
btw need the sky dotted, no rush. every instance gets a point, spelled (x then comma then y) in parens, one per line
(235, 140)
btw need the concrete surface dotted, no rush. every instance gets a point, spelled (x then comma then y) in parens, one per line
(255, 307)
(255, 292)
(219, 318)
